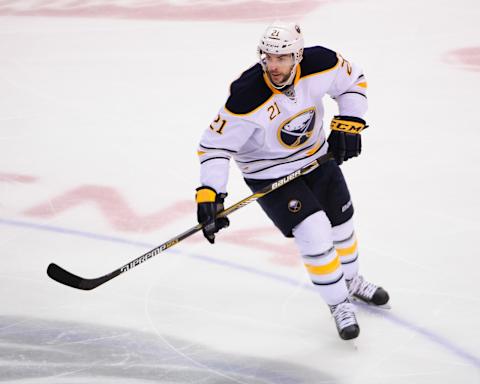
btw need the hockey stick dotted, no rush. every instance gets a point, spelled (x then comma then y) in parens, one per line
(62, 276)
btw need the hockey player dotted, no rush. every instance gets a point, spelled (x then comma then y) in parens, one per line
(271, 125)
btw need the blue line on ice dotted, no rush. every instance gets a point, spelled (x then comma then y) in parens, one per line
(426, 333)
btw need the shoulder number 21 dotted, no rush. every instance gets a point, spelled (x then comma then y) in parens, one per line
(273, 110)
(218, 125)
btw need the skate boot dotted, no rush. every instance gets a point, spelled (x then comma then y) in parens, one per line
(345, 320)
(360, 288)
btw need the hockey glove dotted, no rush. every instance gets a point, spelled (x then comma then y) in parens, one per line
(345, 141)
(209, 203)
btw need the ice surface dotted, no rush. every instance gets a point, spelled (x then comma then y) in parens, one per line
(99, 121)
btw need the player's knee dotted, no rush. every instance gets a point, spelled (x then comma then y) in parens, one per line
(313, 235)
(343, 231)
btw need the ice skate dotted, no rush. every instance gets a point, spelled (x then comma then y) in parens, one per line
(345, 320)
(368, 292)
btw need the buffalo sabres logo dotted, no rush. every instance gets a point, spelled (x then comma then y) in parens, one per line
(297, 129)
(294, 206)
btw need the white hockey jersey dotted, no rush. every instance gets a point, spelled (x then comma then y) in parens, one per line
(270, 134)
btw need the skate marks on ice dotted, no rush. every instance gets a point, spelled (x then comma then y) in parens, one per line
(433, 337)
(57, 351)
(391, 316)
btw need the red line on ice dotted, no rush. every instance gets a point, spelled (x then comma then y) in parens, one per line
(16, 178)
(166, 10)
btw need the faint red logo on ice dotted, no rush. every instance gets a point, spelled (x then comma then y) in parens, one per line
(466, 58)
(205, 10)
(114, 208)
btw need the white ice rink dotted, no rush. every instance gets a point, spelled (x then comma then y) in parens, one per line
(101, 109)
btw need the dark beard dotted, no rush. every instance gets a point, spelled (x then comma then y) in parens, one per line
(285, 78)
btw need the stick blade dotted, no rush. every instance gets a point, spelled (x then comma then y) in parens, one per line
(64, 277)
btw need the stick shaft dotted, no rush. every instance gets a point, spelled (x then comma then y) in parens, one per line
(62, 276)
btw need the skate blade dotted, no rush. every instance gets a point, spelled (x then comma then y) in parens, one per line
(357, 300)
(384, 306)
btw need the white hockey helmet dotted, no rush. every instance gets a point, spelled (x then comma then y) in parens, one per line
(282, 38)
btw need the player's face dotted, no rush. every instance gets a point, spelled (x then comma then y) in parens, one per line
(279, 67)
